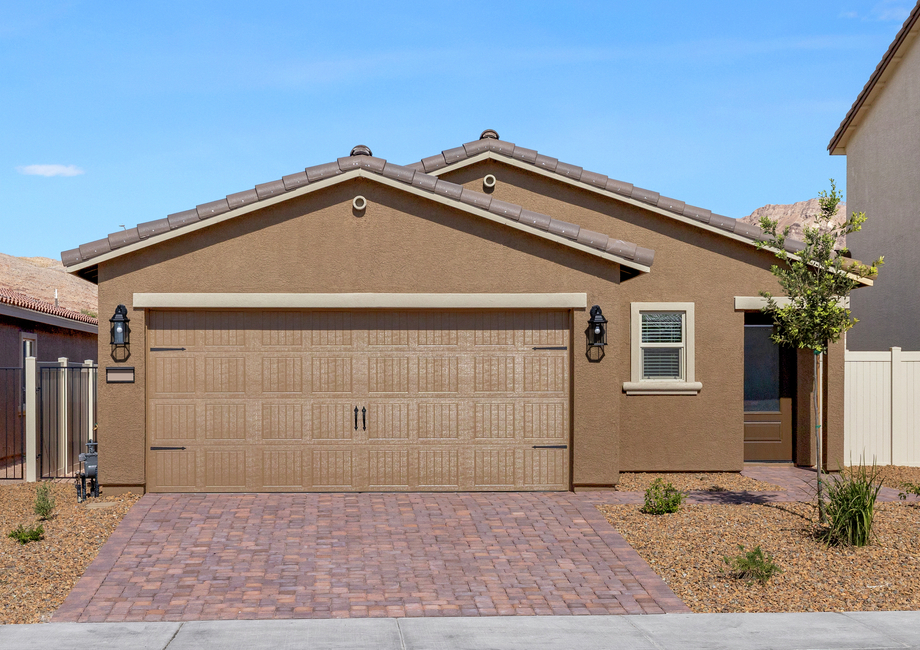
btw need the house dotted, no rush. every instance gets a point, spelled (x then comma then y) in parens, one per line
(880, 136)
(363, 325)
(34, 328)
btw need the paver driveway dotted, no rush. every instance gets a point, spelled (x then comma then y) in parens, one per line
(233, 556)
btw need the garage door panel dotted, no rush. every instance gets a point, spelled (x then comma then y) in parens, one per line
(440, 374)
(388, 421)
(331, 329)
(546, 421)
(545, 467)
(332, 468)
(388, 375)
(282, 374)
(494, 420)
(331, 374)
(173, 422)
(265, 400)
(224, 375)
(438, 420)
(333, 421)
(283, 421)
(282, 468)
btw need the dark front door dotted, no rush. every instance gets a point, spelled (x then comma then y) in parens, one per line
(769, 385)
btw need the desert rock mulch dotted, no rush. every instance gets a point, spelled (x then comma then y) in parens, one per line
(894, 476)
(691, 481)
(686, 550)
(35, 578)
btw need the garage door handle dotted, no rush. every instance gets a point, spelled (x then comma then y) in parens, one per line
(167, 448)
(356, 418)
(364, 418)
(550, 446)
(553, 347)
(167, 349)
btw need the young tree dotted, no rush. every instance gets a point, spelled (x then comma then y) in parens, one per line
(817, 281)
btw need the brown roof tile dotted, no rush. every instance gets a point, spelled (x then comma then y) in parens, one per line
(410, 175)
(600, 181)
(16, 299)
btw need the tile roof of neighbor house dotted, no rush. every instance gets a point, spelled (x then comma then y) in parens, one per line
(361, 159)
(16, 299)
(838, 142)
(489, 143)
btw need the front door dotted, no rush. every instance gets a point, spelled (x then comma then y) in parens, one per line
(769, 386)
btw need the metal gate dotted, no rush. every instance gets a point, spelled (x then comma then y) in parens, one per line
(66, 417)
(12, 429)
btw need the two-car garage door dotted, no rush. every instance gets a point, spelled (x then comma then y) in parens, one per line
(357, 400)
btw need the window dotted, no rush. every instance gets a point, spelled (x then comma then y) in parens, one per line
(28, 347)
(662, 349)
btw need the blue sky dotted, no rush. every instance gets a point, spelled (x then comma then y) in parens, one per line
(120, 113)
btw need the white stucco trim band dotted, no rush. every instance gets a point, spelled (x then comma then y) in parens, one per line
(361, 300)
(756, 303)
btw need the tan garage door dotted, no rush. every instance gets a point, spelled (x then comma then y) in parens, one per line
(361, 400)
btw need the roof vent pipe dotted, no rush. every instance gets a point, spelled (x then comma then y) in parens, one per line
(489, 134)
(361, 150)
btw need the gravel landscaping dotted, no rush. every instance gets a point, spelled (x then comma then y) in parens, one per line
(686, 550)
(35, 578)
(894, 475)
(689, 481)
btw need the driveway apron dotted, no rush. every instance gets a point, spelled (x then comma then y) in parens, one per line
(179, 557)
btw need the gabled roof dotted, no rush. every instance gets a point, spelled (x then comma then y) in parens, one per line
(84, 260)
(24, 302)
(489, 146)
(908, 32)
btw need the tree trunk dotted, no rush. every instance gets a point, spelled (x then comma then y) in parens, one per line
(819, 421)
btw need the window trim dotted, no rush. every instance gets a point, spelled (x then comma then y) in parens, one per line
(639, 386)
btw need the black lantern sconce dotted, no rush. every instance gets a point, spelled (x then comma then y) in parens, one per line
(121, 334)
(596, 334)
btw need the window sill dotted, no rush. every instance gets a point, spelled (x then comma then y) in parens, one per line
(662, 387)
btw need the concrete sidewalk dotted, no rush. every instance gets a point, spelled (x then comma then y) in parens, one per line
(813, 631)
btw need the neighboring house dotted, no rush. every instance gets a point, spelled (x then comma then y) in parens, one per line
(32, 327)
(363, 325)
(880, 137)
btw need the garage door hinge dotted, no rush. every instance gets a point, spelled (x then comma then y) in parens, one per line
(166, 448)
(167, 349)
(550, 446)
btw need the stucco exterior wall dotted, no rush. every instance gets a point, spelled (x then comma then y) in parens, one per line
(52, 342)
(318, 244)
(883, 180)
(692, 433)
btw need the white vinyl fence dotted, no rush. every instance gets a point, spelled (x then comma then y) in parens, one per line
(882, 408)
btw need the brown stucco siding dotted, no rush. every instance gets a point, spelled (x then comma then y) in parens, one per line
(53, 342)
(702, 432)
(317, 244)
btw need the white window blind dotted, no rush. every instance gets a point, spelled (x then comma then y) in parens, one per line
(663, 344)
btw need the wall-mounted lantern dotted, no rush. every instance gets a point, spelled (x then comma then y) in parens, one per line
(596, 334)
(121, 334)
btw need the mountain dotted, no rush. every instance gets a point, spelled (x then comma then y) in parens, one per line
(40, 276)
(797, 215)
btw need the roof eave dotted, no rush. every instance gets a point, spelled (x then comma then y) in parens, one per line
(90, 267)
(909, 30)
(490, 155)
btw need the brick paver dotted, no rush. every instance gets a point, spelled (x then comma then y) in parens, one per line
(243, 556)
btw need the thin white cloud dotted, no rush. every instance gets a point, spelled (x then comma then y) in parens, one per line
(50, 170)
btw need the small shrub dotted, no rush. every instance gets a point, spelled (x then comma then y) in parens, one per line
(44, 501)
(662, 498)
(752, 565)
(26, 535)
(851, 506)
(909, 488)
